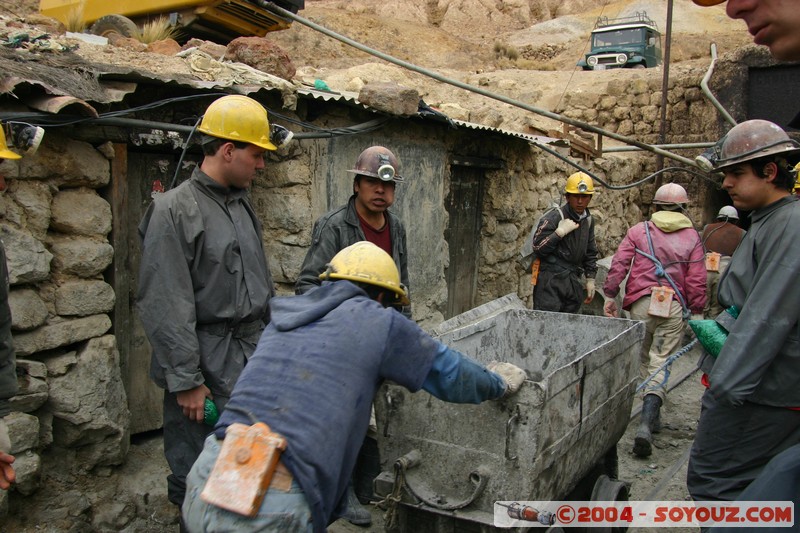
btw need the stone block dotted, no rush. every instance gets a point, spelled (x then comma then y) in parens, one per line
(390, 98)
(23, 431)
(84, 297)
(81, 256)
(28, 467)
(80, 211)
(27, 258)
(67, 162)
(28, 311)
(34, 198)
(61, 333)
(263, 55)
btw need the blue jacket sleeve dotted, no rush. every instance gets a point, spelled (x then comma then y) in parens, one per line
(456, 378)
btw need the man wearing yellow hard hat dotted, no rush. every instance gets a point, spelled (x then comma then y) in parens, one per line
(310, 383)
(566, 251)
(8, 374)
(204, 279)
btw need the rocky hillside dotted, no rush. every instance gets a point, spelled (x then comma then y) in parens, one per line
(478, 35)
(522, 49)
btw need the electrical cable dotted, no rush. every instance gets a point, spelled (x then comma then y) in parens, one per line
(183, 153)
(115, 119)
(629, 185)
(472, 88)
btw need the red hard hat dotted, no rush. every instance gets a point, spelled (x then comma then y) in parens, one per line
(670, 193)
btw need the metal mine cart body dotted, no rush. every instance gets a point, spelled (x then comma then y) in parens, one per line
(537, 445)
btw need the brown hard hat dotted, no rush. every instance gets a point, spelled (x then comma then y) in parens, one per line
(754, 139)
(378, 162)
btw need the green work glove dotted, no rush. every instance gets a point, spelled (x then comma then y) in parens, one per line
(210, 412)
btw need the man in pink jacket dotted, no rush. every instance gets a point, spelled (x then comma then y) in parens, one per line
(664, 261)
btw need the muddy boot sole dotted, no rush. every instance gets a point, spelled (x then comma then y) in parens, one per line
(643, 445)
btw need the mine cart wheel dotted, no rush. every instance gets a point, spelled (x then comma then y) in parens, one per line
(609, 490)
(105, 26)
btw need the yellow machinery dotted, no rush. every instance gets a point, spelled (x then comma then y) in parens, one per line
(217, 20)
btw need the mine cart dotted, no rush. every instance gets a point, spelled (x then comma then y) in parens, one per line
(447, 464)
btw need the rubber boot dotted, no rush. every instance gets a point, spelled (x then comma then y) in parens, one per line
(643, 442)
(356, 514)
(657, 422)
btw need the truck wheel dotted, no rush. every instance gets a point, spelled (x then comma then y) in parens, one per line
(105, 26)
(639, 65)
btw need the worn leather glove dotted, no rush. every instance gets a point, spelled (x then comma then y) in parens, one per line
(566, 226)
(589, 291)
(610, 309)
(511, 374)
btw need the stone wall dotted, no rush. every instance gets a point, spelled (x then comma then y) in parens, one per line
(517, 196)
(55, 227)
(632, 106)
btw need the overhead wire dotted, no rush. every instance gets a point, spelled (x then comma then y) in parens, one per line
(472, 88)
(652, 176)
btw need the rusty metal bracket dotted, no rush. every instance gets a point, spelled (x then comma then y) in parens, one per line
(478, 477)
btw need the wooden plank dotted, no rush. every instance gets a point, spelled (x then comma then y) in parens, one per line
(463, 237)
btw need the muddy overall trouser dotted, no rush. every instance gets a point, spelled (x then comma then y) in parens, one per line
(735, 444)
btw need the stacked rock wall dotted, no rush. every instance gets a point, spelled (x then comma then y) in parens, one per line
(55, 225)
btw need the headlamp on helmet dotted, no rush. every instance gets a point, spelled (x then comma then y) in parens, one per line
(708, 159)
(24, 137)
(378, 162)
(579, 183)
(385, 170)
(279, 135)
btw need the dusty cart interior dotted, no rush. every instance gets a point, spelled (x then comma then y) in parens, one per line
(448, 464)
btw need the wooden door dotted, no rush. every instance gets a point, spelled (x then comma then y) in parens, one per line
(463, 237)
(133, 177)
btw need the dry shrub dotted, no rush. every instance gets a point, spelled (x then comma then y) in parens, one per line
(75, 22)
(156, 30)
(503, 50)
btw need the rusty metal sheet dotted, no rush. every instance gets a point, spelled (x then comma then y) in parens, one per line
(54, 104)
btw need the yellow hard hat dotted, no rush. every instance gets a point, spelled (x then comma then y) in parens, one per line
(365, 262)
(579, 183)
(796, 178)
(238, 118)
(5, 153)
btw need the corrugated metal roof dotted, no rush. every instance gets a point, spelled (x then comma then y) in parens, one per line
(68, 88)
(351, 98)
